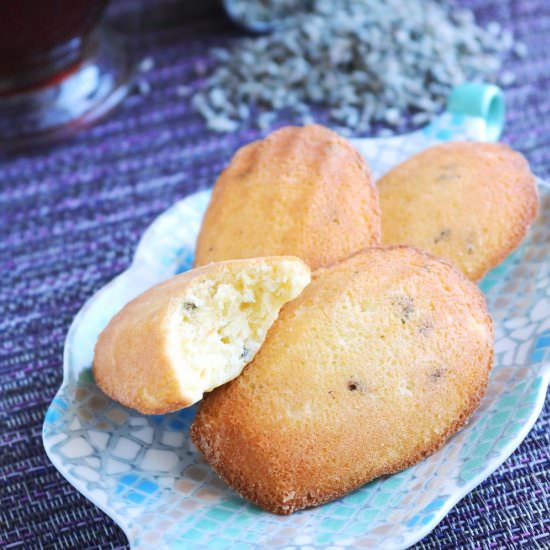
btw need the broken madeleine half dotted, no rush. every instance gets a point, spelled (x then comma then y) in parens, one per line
(193, 332)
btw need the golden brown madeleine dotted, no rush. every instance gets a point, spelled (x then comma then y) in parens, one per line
(372, 368)
(193, 332)
(303, 191)
(471, 203)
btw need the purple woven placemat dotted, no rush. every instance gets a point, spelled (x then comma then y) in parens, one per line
(71, 216)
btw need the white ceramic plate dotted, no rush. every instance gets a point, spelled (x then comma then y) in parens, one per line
(144, 472)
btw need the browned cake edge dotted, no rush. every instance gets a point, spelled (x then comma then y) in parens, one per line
(528, 186)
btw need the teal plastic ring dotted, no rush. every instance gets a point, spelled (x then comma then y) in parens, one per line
(480, 100)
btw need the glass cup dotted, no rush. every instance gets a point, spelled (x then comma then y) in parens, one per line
(59, 69)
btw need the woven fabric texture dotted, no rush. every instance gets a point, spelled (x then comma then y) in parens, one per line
(71, 216)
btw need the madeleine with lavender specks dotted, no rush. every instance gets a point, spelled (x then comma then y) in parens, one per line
(372, 368)
(471, 203)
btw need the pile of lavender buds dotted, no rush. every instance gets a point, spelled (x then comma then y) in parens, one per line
(252, 11)
(364, 64)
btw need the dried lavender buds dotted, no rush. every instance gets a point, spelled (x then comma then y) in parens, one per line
(363, 62)
(250, 12)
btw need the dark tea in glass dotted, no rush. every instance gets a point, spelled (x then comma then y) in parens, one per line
(59, 69)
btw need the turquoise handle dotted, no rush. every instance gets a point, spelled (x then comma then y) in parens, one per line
(480, 100)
